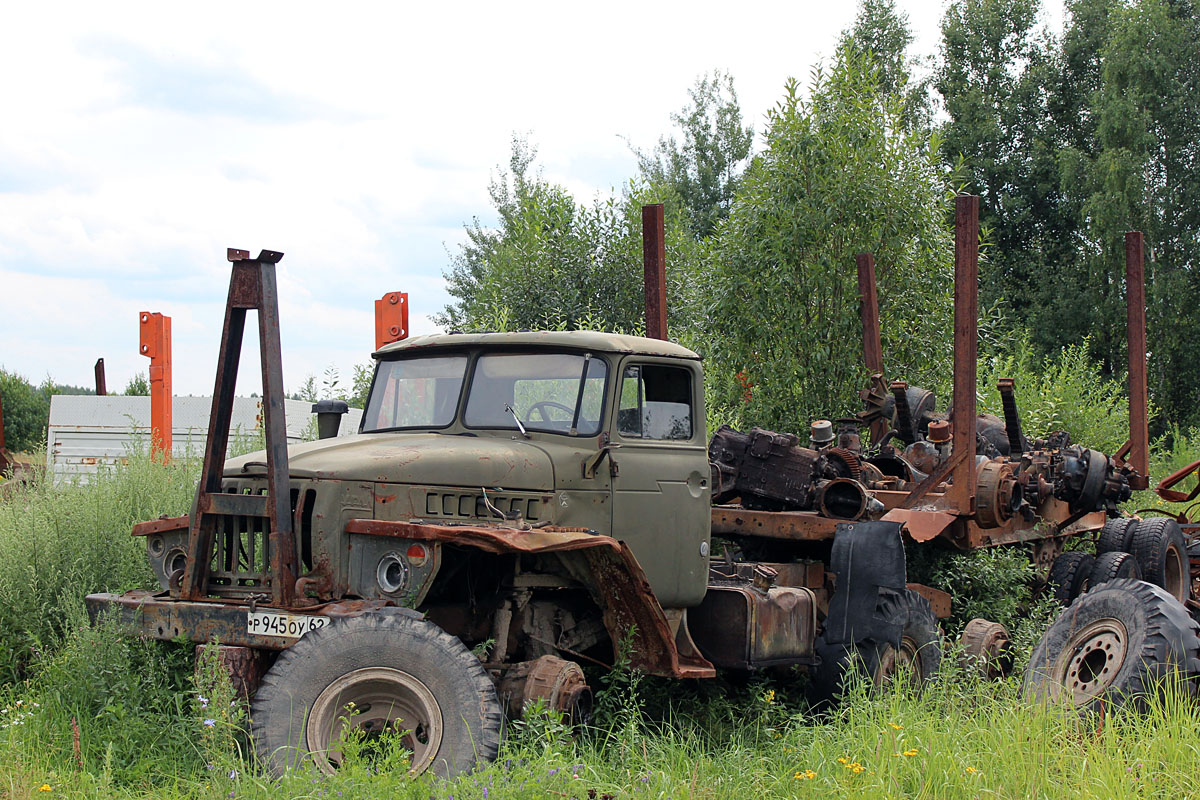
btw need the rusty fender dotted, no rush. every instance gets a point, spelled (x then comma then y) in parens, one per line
(616, 583)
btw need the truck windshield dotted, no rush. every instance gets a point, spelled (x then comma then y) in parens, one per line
(554, 392)
(415, 393)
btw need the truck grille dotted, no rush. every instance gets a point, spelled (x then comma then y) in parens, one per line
(241, 563)
(471, 505)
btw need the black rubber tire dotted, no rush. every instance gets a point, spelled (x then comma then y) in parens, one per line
(470, 713)
(1069, 575)
(920, 644)
(1162, 555)
(1115, 646)
(1113, 565)
(1116, 536)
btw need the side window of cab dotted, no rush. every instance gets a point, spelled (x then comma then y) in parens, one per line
(655, 403)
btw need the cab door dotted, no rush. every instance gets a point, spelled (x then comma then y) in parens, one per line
(661, 505)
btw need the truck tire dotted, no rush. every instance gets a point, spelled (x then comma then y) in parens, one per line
(401, 674)
(1116, 536)
(1069, 575)
(1158, 546)
(920, 650)
(1113, 565)
(1115, 645)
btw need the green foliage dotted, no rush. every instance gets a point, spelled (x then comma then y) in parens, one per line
(704, 169)
(840, 175)
(59, 543)
(1064, 392)
(993, 583)
(553, 259)
(883, 32)
(138, 386)
(26, 412)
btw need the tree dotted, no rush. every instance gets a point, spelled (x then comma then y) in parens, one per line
(883, 32)
(26, 412)
(552, 262)
(705, 167)
(841, 174)
(138, 386)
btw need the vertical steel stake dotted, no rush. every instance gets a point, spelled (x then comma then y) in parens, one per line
(966, 349)
(391, 318)
(1135, 300)
(654, 247)
(868, 304)
(101, 386)
(156, 345)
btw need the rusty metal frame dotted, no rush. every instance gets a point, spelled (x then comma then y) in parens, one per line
(654, 255)
(961, 494)
(1135, 309)
(868, 299)
(251, 287)
(155, 344)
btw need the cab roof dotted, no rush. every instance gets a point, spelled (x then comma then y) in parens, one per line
(582, 340)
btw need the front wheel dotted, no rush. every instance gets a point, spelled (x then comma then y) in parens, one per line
(370, 679)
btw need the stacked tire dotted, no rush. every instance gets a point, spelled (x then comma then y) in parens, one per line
(1152, 550)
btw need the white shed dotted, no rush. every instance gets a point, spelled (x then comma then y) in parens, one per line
(87, 431)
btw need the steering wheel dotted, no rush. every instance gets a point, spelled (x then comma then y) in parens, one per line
(541, 407)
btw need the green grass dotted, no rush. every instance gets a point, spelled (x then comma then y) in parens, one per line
(142, 728)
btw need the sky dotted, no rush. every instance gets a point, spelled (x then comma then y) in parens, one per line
(142, 140)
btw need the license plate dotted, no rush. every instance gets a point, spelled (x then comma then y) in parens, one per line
(291, 626)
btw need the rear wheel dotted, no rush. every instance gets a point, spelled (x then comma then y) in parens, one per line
(1069, 575)
(1117, 644)
(1111, 566)
(379, 681)
(917, 655)
(1158, 546)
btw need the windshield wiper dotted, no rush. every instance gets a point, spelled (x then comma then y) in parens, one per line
(517, 420)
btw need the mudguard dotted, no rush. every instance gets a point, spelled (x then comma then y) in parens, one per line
(867, 557)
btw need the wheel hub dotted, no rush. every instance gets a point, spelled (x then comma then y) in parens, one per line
(369, 704)
(1091, 660)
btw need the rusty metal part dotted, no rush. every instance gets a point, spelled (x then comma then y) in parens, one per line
(616, 583)
(793, 525)
(923, 456)
(923, 525)
(101, 385)
(770, 470)
(869, 313)
(845, 462)
(961, 495)
(905, 424)
(559, 683)
(939, 432)
(986, 648)
(654, 254)
(159, 616)
(745, 627)
(939, 601)
(244, 665)
(1044, 553)
(160, 525)
(843, 498)
(155, 344)
(996, 495)
(1012, 420)
(1135, 294)
(1165, 491)
(251, 286)
(874, 415)
(391, 318)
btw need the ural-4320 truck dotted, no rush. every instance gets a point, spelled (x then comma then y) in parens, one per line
(516, 505)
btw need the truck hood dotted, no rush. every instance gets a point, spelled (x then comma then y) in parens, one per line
(421, 458)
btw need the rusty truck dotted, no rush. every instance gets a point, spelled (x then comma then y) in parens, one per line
(518, 506)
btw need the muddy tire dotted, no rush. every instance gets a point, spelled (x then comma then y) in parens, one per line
(1116, 536)
(1158, 546)
(920, 651)
(1069, 575)
(1116, 645)
(401, 674)
(1114, 565)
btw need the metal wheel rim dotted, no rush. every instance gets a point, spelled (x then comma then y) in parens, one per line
(891, 661)
(1177, 573)
(382, 698)
(1090, 661)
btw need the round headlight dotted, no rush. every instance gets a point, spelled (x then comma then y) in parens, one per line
(392, 573)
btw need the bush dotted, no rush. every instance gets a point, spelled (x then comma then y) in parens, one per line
(26, 412)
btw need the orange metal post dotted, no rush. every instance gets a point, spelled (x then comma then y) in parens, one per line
(156, 345)
(966, 349)
(391, 318)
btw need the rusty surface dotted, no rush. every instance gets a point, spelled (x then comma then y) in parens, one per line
(755, 626)
(560, 684)
(155, 344)
(796, 525)
(966, 346)
(654, 255)
(1135, 297)
(101, 385)
(160, 525)
(618, 584)
(1171, 495)
(986, 648)
(868, 304)
(391, 318)
(245, 666)
(251, 286)
(923, 525)
(159, 616)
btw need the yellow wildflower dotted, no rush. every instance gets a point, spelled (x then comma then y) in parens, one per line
(911, 752)
(843, 761)
(770, 696)
(805, 775)
(972, 771)
(895, 727)
(45, 787)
